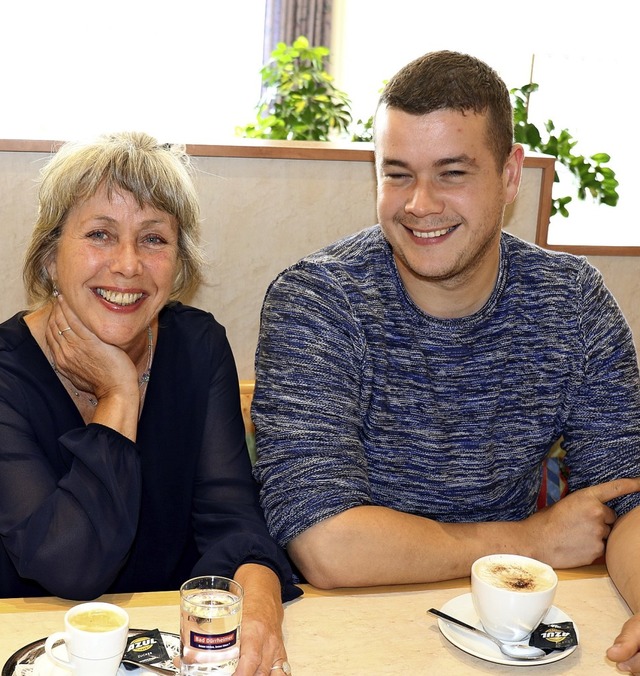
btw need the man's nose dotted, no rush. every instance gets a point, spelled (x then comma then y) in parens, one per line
(424, 200)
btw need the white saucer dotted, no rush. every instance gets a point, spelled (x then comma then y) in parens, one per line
(462, 608)
(31, 660)
(43, 666)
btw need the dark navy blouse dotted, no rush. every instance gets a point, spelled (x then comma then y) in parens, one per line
(85, 511)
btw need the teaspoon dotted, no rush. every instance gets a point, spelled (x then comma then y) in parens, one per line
(517, 651)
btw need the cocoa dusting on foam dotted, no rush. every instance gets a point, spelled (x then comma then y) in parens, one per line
(516, 577)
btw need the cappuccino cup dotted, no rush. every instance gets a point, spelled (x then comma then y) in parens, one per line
(511, 594)
(95, 637)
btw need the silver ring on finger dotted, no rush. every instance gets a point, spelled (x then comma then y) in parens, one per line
(285, 666)
(61, 331)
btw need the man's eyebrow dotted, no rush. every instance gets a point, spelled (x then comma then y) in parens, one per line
(390, 162)
(438, 164)
(458, 159)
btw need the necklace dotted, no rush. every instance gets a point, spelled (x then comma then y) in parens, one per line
(146, 374)
(142, 380)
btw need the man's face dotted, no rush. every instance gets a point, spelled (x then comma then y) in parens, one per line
(441, 200)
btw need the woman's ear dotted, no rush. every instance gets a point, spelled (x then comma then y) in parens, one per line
(52, 273)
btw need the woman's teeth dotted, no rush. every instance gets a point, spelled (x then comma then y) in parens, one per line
(118, 297)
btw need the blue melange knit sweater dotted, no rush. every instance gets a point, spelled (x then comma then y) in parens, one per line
(362, 398)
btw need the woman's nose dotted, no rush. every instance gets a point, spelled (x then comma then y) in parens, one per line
(126, 259)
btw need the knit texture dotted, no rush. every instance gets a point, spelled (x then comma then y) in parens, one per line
(362, 398)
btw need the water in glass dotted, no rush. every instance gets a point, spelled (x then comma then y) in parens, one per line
(209, 632)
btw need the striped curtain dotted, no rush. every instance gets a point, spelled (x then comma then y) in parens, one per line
(286, 20)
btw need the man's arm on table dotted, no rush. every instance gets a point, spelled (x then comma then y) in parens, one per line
(370, 545)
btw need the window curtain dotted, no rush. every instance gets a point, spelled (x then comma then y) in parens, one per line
(286, 20)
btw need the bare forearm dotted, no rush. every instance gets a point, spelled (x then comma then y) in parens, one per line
(372, 545)
(261, 586)
(623, 554)
(119, 410)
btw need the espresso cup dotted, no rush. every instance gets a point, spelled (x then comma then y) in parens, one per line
(95, 638)
(511, 594)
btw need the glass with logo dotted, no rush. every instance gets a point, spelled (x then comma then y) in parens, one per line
(210, 625)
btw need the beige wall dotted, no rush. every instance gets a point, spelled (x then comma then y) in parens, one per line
(622, 276)
(260, 215)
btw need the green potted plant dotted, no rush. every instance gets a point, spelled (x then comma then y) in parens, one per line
(300, 101)
(590, 173)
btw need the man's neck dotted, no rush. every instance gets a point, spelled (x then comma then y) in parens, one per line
(459, 296)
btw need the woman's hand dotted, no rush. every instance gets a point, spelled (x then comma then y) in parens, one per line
(80, 356)
(262, 644)
(93, 366)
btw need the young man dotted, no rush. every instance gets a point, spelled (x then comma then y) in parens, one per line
(412, 378)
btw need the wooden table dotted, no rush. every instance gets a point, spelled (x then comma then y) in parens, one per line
(366, 632)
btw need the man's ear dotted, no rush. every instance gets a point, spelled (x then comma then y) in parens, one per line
(512, 173)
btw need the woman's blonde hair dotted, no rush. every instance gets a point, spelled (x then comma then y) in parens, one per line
(156, 175)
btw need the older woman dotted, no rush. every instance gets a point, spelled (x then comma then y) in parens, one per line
(123, 464)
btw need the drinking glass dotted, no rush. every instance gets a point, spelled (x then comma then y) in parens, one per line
(210, 625)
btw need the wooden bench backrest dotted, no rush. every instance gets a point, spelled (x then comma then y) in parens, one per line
(246, 397)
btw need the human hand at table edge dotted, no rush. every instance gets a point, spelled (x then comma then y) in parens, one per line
(262, 643)
(625, 651)
(573, 531)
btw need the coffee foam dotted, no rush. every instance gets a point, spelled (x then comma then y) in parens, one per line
(97, 620)
(515, 576)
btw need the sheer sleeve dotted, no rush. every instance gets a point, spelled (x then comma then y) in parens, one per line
(228, 522)
(68, 502)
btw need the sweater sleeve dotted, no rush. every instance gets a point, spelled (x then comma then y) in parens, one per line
(602, 433)
(307, 402)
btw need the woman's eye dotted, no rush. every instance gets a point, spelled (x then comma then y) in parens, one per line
(99, 235)
(155, 239)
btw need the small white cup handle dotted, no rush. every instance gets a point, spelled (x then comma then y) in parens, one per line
(51, 642)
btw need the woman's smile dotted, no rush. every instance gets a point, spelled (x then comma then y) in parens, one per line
(121, 299)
